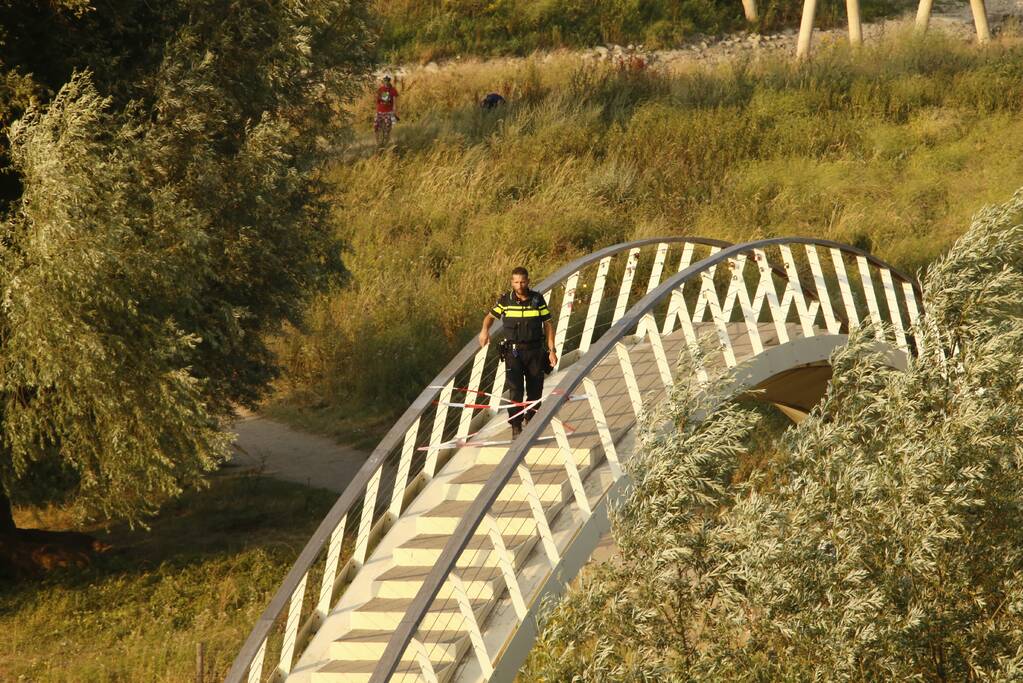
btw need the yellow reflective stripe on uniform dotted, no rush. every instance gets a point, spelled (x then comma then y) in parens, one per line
(528, 313)
(544, 310)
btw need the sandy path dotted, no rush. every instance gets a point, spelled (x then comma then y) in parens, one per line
(278, 450)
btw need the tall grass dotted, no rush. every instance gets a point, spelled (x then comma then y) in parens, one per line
(424, 30)
(891, 149)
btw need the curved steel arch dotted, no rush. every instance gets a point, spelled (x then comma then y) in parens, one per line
(290, 596)
(576, 374)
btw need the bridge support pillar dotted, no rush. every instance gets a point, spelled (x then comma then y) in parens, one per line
(749, 7)
(806, 29)
(852, 11)
(980, 20)
(923, 15)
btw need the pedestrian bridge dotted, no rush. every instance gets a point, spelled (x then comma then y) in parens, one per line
(434, 562)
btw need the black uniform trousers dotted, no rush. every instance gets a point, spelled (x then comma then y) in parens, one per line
(524, 373)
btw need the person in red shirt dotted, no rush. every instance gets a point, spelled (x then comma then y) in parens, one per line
(387, 114)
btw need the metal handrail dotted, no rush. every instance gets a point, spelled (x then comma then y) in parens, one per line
(469, 523)
(356, 488)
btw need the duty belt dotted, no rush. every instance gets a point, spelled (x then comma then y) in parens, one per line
(525, 345)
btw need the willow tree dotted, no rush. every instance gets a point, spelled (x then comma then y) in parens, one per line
(163, 211)
(884, 542)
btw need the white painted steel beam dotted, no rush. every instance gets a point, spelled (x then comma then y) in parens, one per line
(471, 625)
(602, 427)
(330, 569)
(794, 292)
(914, 314)
(507, 564)
(291, 627)
(833, 324)
(625, 362)
(766, 291)
(567, 304)
(594, 308)
(894, 313)
(437, 435)
(475, 377)
(423, 659)
(366, 518)
(256, 668)
(626, 288)
(846, 291)
(571, 469)
(539, 516)
(870, 296)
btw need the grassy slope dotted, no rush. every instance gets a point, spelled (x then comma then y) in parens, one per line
(891, 150)
(205, 572)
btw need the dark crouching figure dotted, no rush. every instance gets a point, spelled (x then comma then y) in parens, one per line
(528, 345)
(491, 101)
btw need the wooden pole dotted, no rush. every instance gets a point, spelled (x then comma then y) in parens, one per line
(200, 662)
(806, 28)
(980, 20)
(923, 15)
(852, 10)
(749, 7)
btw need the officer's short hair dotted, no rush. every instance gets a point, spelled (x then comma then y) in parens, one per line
(521, 271)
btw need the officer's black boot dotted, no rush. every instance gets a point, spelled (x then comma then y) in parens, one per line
(516, 429)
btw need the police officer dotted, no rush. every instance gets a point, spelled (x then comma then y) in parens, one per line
(527, 326)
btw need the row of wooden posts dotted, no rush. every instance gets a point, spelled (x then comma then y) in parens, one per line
(852, 8)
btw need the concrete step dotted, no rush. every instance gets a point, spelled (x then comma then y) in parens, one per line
(369, 644)
(513, 517)
(359, 671)
(551, 484)
(546, 454)
(405, 582)
(424, 551)
(386, 613)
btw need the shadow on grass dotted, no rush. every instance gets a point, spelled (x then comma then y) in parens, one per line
(202, 573)
(235, 513)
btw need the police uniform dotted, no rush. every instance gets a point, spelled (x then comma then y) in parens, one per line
(526, 358)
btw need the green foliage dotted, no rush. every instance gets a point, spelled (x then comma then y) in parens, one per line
(90, 372)
(170, 214)
(203, 573)
(414, 29)
(883, 545)
(890, 150)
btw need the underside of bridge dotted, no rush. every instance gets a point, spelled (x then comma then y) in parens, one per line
(795, 392)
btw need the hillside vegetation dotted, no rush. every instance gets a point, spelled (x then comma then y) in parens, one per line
(417, 30)
(891, 150)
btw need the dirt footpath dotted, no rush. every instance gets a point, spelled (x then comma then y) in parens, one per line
(277, 450)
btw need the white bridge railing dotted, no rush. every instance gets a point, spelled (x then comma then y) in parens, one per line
(590, 295)
(753, 294)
